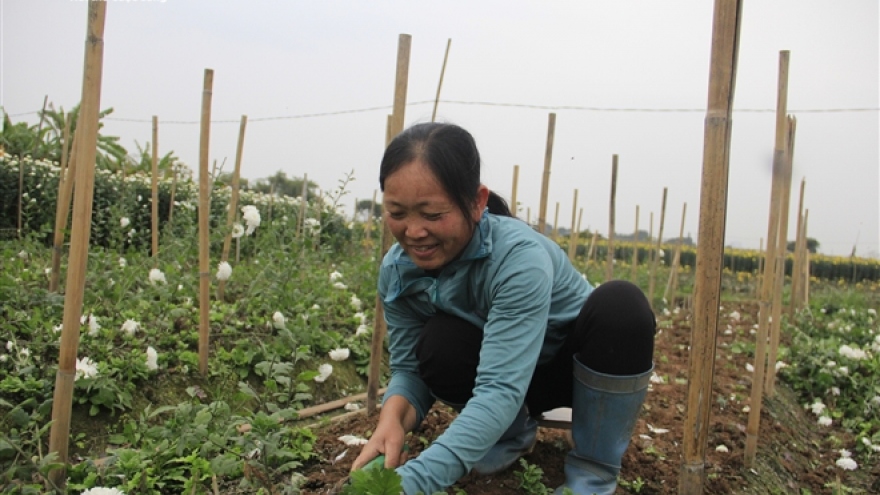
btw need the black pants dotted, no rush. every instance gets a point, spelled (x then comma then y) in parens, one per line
(613, 334)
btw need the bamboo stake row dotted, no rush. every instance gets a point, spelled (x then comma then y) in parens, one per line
(672, 283)
(62, 207)
(573, 235)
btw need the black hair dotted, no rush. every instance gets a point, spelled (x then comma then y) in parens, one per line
(451, 154)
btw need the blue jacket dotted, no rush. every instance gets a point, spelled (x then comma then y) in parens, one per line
(521, 289)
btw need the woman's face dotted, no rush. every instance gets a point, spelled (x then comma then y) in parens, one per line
(429, 226)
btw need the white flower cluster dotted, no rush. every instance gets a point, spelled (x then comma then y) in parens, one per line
(324, 372)
(85, 368)
(251, 216)
(157, 277)
(92, 321)
(312, 226)
(224, 270)
(852, 352)
(100, 490)
(339, 354)
(278, 320)
(818, 409)
(846, 462)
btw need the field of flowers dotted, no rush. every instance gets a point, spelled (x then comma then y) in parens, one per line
(292, 330)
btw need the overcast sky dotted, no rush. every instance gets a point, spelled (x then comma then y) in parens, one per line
(286, 61)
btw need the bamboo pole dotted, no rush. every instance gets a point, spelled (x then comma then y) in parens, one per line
(592, 247)
(204, 216)
(368, 227)
(555, 230)
(62, 205)
(404, 44)
(304, 200)
(781, 255)
(154, 184)
(573, 236)
(233, 204)
(609, 270)
(529, 215)
(34, 157)
(171, 195)
(545, 182)
(650, 253)
(440, 84)
(513, 205)
(770, 259)
(87, 130)
(797, 266)
(710, 244)
(806, 285)
(672, 284)
(635, 260)
(657, 249)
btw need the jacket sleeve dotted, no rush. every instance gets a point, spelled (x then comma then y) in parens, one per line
(403, 333)
(512, 338)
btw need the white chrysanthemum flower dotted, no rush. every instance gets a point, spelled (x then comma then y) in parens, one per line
(339, 354)
(312, 226)
(156, 276)
(835, 391)
(352, 440)
(237, 230)
(818, 408)
(315, 307)
(356, 303)
(57, 328)
(100, 490)
(224, 270)
(325, 370)
(85, 368)
(872, 311)
(735, 316)
(354, 406)
(130, 327)
(340, 285)
(122, 262)
(361, 330)
(92, 321)
(251, 216)
(124, 222)
(780, 365)
(852, 352)
(278, 320)
(722, 448)
(825, 420)
(655, 378)
(750, 367)
(152, 359)
(9, 345)
(335, 276)
(846, 462)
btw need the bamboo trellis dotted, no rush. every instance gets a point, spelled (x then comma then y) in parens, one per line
(573, 236)
(635, 256)
(62, 207)
(514, 208)
(154, 196)
(440, 83)
(233, 204)
(672, 283)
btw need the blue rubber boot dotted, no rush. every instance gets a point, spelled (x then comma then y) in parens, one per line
(517, 441)
(604, 413)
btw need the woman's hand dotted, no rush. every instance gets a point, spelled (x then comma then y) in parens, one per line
(397, 418)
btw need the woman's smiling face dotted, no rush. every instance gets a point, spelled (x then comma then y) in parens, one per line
(429, 226)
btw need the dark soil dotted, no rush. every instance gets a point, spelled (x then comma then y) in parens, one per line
(795, 455)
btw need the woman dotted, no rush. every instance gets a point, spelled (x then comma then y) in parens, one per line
(490, 317)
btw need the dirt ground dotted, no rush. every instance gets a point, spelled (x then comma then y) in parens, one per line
(795, 455)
